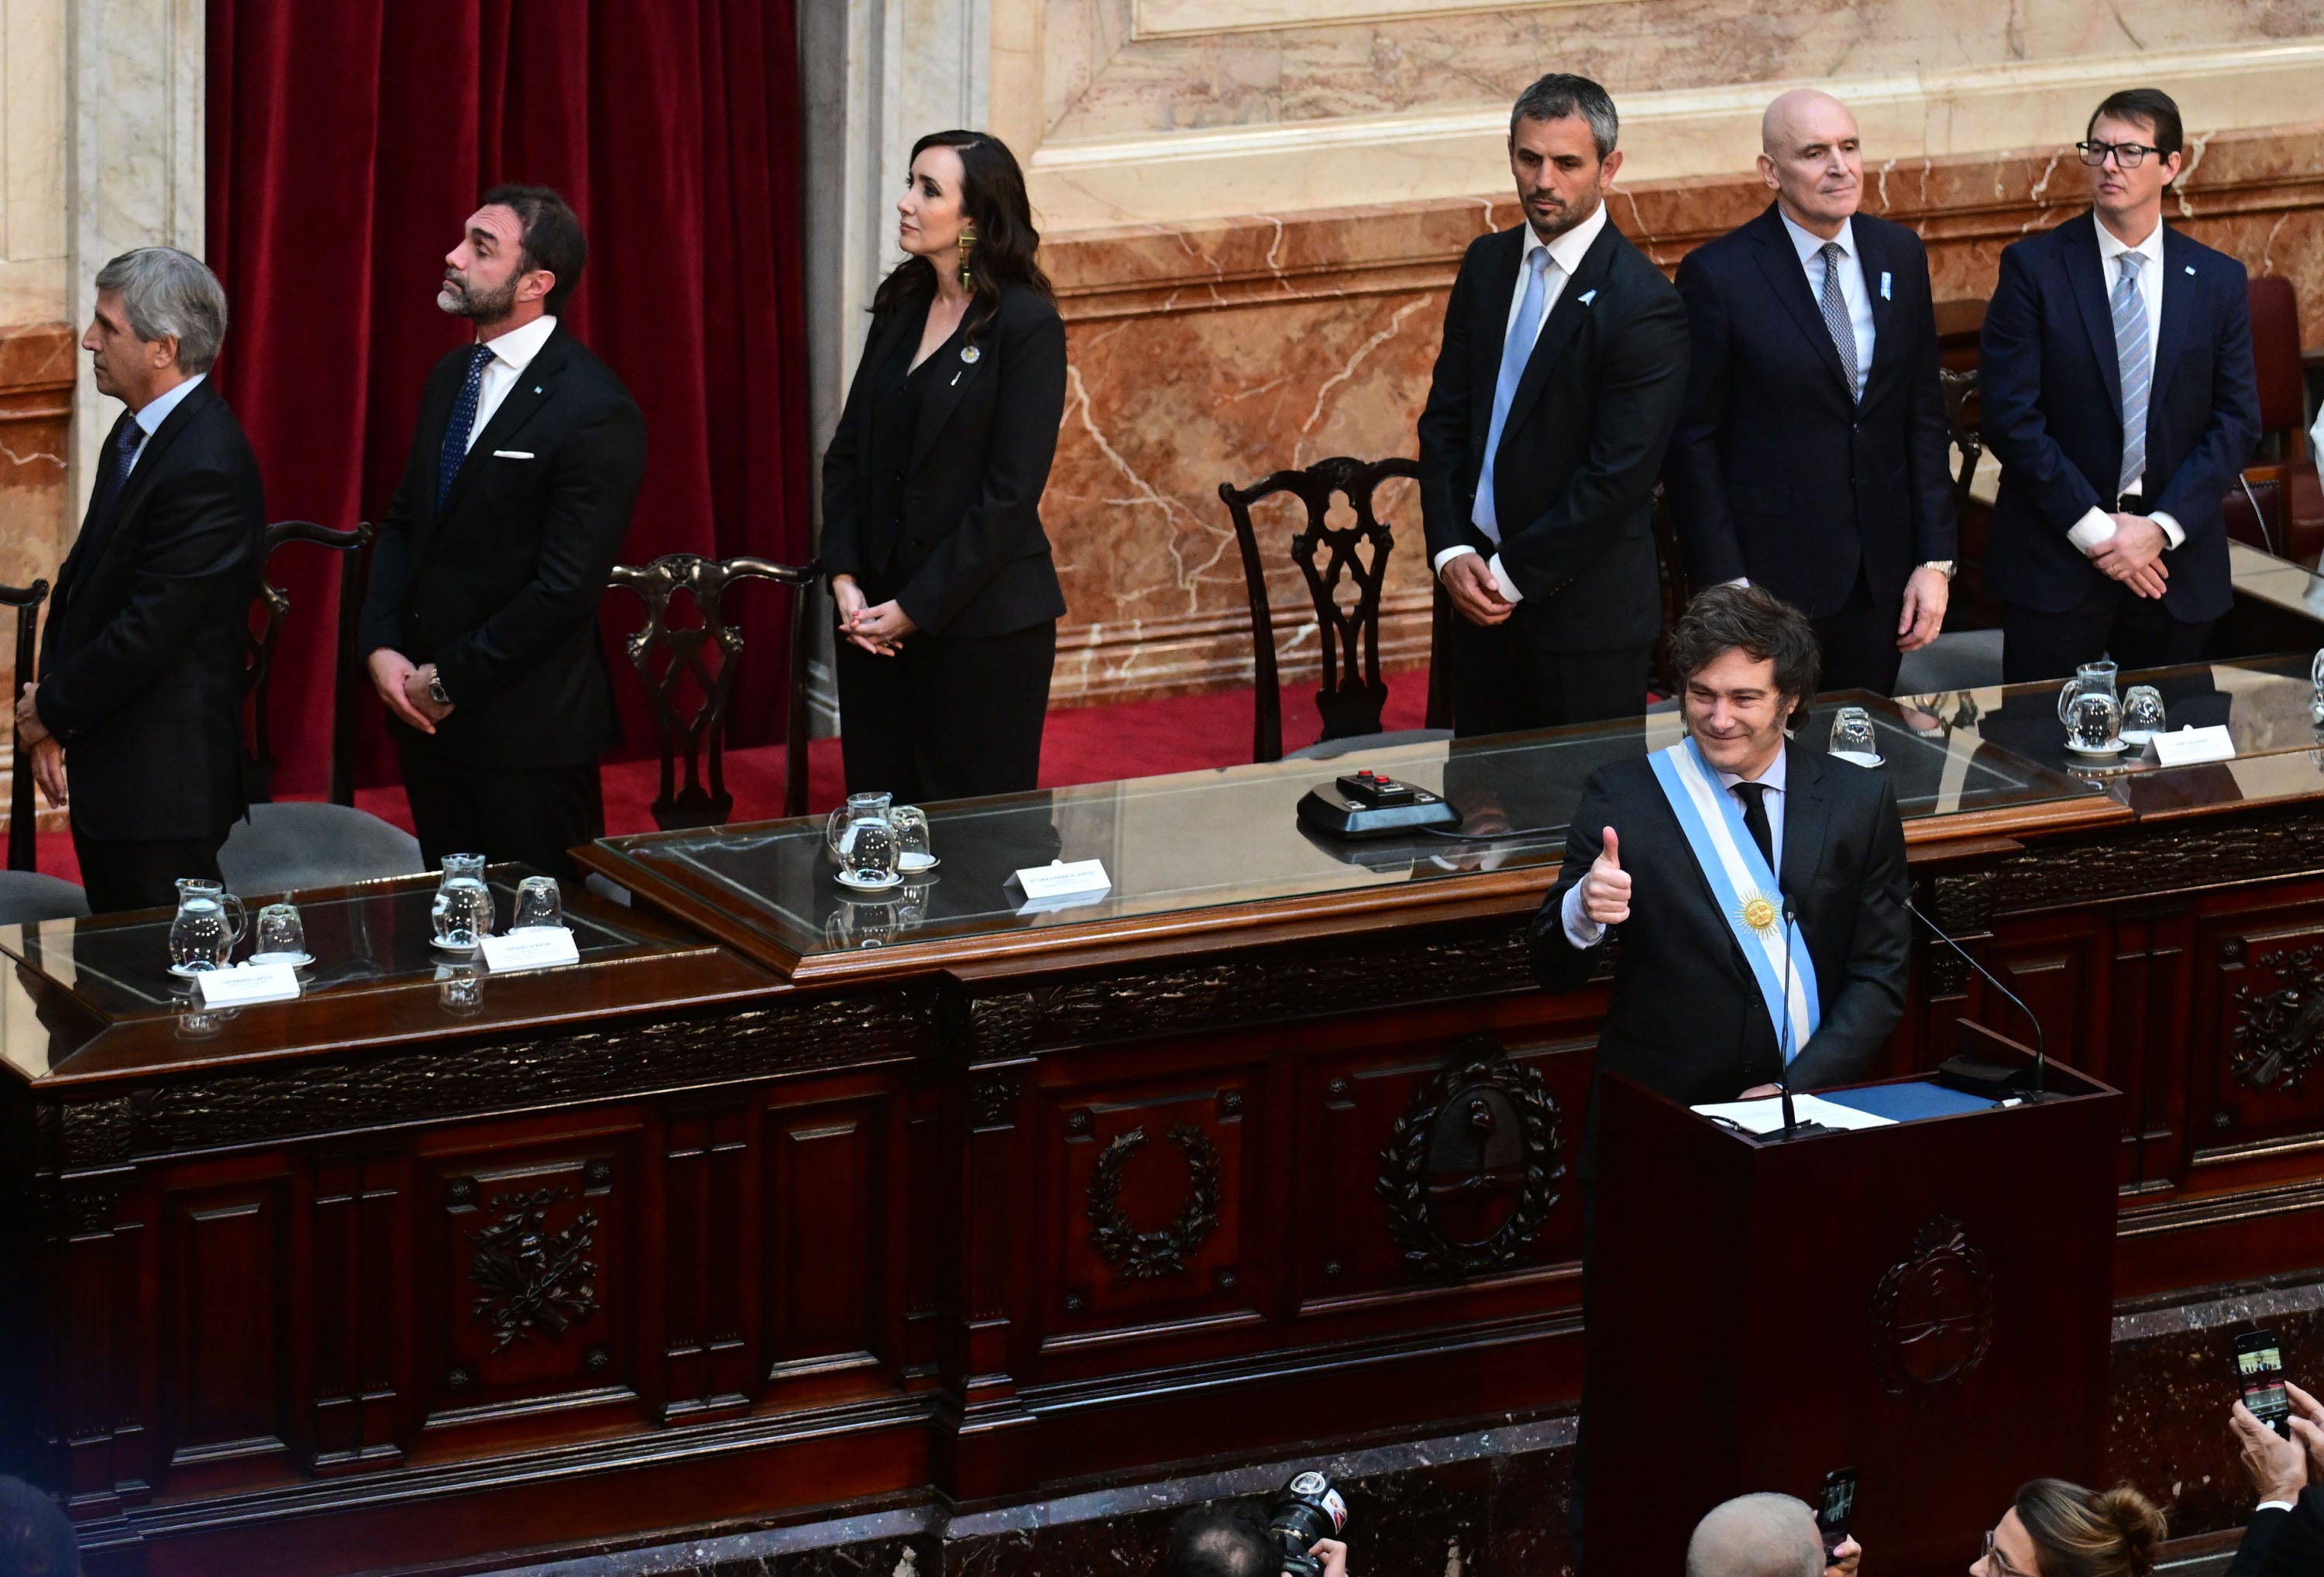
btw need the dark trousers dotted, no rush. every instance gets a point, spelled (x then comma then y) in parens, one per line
(1859, 642)
(947, 718)
(141, 873)
(532, 814)
(1505, 678)
(2112, 620)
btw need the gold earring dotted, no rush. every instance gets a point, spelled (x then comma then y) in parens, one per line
(967, 245)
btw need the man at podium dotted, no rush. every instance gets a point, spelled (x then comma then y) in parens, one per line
(1757, 888)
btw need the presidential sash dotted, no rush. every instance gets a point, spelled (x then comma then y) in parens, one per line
(1748, 893)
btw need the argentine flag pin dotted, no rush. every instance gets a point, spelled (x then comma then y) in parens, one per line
(1883, 286)
(1587, 296)
(2190, 268)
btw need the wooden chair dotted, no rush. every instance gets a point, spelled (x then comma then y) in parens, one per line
(23, 826)
(1960, 389)
(2278, 504)
(346, 680)
(686, 653)
(1354, 694)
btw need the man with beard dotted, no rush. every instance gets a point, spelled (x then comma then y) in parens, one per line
(1560, 377)
(481, 628)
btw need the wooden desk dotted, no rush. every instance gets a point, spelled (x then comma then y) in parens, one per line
(855, 1201)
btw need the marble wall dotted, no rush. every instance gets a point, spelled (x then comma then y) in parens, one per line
(1220, 350)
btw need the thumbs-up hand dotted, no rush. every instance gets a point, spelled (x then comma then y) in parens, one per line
(1606, 885)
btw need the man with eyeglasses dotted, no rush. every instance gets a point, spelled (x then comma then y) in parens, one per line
(2120, 398)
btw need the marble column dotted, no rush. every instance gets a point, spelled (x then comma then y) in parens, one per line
(133, 75)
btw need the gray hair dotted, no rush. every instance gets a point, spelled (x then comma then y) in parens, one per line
(1756, 1535)
(1558, 94)
(167, 293)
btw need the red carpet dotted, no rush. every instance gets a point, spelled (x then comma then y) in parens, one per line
(1081, 744)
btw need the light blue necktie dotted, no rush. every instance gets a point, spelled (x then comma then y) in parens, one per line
(1516, 351)
(2136, 353)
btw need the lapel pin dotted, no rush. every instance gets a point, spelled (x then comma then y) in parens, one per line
(969, 353)
(1883, 286)
(1588, 296)
(536, 388)
(956, 381)
(2190, 268)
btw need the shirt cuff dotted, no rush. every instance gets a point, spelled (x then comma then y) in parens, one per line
(2172, 528)
(1738, 580)
(1579, 929)
(2094, 531)
(2274, 1506)
(1502, 579)
(1438, 563)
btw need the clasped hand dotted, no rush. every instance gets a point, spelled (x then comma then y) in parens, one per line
(1476, 595)
(877, 630)
(2134, 554)
(403, 687)
(47, 755)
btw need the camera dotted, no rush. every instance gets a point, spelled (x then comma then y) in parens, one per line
(1304, 1510)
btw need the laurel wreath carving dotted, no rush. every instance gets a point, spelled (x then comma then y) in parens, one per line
(1148, 1255)
(1479, 1063)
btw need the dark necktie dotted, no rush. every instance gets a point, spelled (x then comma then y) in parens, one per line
(1836, 317)
(125, 440)
(1753, 797)
(464, 420)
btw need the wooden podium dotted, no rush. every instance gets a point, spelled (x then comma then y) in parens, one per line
(1927, 1303)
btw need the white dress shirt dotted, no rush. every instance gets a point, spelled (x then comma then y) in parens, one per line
(1584, 932)
(1852, 288)
(2095, 529)
(157, 412)
(511, 352)
(1566, 255)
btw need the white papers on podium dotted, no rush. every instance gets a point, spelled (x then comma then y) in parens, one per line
(1767, 1116)
(1059, 885)
(2189, 745)
(244, 983)
(533, 948)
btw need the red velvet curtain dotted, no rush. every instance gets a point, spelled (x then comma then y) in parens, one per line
(347, 142)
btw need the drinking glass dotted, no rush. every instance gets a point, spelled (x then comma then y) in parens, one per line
(281, 936)
(870, 858)
(1852, 738)
(2142, 714)
(2090, 677)
(914, 850)
(539, 905)
(463, 911)
(209, 921)
(2094, 723)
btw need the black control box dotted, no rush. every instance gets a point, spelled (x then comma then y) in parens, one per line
(1372, 804)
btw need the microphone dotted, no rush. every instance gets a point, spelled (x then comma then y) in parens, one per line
(1784, 1047)
(1965, 1069)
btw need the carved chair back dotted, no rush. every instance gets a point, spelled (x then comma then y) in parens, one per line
(1331, 559)
(273, 607)
(1960, 421)
(22, 826)
(668, 656)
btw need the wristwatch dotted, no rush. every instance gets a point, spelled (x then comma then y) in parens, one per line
(436, 691)
(1944, 566)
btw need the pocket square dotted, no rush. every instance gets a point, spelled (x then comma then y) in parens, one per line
(512, 454)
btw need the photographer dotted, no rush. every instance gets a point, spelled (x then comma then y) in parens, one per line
(1764, 1535)
(1233, 1538)
(2286, 1531)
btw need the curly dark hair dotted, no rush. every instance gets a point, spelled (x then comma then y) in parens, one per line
(1759, 621)
(993, 192)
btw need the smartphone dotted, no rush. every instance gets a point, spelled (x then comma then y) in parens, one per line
(1837, 1507)
(2259, 1370)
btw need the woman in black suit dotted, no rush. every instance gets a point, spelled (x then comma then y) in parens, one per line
(947, 598)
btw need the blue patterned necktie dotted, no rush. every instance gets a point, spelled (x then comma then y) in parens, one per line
(1837, 318)
(1516, 351)
(464, 418)
(127, 438)
(2134, 350)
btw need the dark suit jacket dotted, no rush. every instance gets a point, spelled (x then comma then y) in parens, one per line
(1574, 480)
(500, 588)
(2279, 1544)
(1687, 1018)
(974, 558)
(2051, 388)
(1777, 473)
(141, 662)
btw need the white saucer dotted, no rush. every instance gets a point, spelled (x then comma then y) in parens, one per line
(182, 972)
(905, 866)
(1860, 759)
(2116, 748)
(295, 960)
(850, 881)
(452, 946)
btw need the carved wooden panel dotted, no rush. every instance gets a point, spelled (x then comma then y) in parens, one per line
(710, 1230)
(1144, 1213)
(530, 1295)
(360, 1266)
(2261, 994)
(225, 1411)
(829, 1236)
